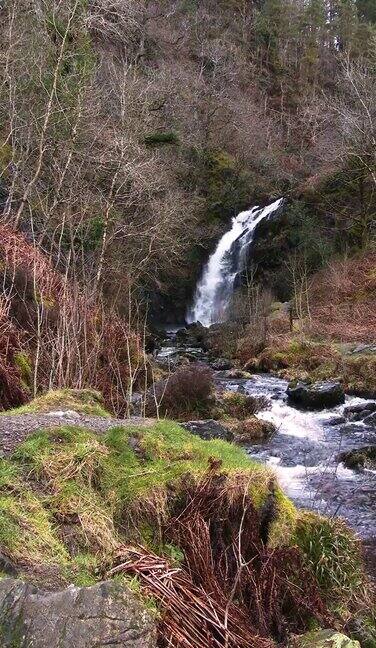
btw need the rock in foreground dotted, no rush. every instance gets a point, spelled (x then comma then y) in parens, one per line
(106, 614)
(316, 396)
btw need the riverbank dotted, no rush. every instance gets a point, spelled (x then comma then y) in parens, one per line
(74, 502)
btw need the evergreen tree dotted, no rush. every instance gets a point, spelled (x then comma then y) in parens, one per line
(366, 10)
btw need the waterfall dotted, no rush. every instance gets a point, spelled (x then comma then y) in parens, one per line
(216, 284)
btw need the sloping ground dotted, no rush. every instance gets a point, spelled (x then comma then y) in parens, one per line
(342, 300)
(153, 501)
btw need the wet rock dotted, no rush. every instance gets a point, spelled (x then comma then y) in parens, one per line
(316, 396)
(209, 429)
(371, 420)
(221, 364)
(181, 335)
(360, 411)
(83, 617)
(325, 639)
(360, 408)
(197, 334)
(239, 374)
(335, 420)
(253, 430)
(360, 458)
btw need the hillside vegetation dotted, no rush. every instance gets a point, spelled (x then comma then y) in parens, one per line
(75, 506)
(132, 130)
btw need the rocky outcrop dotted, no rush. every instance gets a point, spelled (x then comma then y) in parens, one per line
(317, 395)
(325, 639)
(106, 614)
(209, 429)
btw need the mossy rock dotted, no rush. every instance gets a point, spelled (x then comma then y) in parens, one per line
(253, 430)
(326, 639)
(23, 363)
(96, 487)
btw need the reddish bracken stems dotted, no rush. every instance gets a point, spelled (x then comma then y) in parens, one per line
(70, 338)
(231, 590)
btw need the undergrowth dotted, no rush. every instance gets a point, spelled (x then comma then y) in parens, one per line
(310, 360)
(73, 500)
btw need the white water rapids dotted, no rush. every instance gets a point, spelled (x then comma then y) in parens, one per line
(215, 287)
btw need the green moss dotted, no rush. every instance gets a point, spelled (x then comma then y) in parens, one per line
(283, 527)
(83, 570)
(23, 363)
(168, 452)
(84, 401)
(71, 498)
(27, 532)
(161, 138)
(100, 485)
(134, 585)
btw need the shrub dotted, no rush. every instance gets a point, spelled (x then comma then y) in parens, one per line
(184, 394)
(80, 344)
(12, 387)
(242, 406)
(359, 375)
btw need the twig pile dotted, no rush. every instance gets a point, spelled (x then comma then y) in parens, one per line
(232, 590)
(192, 618)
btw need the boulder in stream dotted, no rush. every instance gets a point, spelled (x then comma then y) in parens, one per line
(360, 458)
(102, 615)
(221, 364)
(359, 411)
(209, 429)
(253, 430)
(317, 395)
(371, 420)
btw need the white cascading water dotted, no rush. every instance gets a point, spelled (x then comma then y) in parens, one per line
(215, 287)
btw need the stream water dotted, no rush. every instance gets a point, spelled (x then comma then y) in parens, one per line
(304, 451)
(304, 454)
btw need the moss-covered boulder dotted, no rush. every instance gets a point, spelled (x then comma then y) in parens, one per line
(360, 458)
(83, 401)
(326, 639)
(72, 502)
(253, 430)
